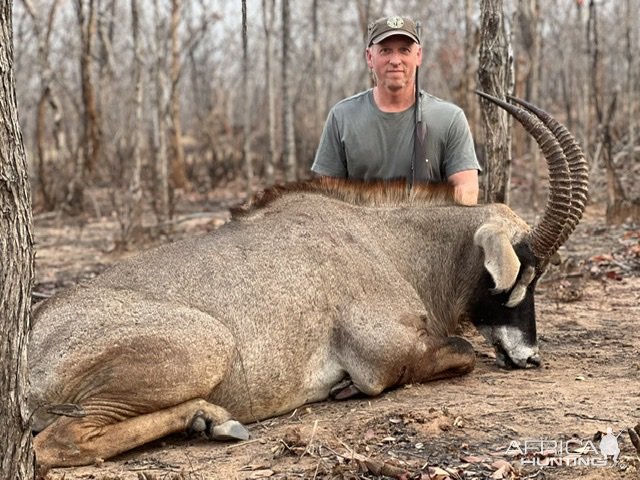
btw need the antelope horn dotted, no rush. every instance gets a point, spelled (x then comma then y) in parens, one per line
(578, 168)
(546, 234)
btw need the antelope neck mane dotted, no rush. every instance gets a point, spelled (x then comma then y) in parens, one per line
(357, 192)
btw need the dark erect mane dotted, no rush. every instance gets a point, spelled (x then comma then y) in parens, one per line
(356, 192)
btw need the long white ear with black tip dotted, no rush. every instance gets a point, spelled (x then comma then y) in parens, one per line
(500, 259)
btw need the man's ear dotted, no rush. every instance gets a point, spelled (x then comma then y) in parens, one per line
(367, 54)
(500, 258)
(419, 55)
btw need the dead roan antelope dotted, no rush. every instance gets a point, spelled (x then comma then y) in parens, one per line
(324, 289)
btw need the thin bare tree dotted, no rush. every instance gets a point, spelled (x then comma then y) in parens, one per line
(268, 17)
(16, 271)
(178, 175)
(105, 34)
(288, 132)
(494, 78)
(246, 149)
(583, 84)
(131, 211)
(317, 70)
(162, 197)
(632, 100)
(86, 16)
(43, 28)
(604, 115)
(529, 22)
(470, 56)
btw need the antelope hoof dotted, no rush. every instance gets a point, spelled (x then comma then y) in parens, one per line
(199, 423)
(229, 430)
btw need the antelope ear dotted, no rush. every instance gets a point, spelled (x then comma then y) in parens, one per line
(500, 259)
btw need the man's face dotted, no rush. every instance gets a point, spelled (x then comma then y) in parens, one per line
(394, 62)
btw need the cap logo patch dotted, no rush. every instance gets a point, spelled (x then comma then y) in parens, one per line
(395, 22)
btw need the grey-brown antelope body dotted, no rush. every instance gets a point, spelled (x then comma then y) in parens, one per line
(326, 288)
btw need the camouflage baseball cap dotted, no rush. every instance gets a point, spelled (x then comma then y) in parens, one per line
(387, 26)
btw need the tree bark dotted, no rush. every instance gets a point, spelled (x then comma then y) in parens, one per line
(93, 131)
(632, 99)
(582, 65)
(615, 191)
(470, 54)
(91, 134)
(162, 197)
(529, 20)
(16, 271)
(268, 14)
(288, 133)
(246, 149)
(495, 78)
(47, 97)
(319, 115)
(132, 208)
(178, 175)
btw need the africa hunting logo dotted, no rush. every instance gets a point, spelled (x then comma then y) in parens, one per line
(573, 452)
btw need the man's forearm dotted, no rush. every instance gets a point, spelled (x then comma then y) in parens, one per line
(465, 187)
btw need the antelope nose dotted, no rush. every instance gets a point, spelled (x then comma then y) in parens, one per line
(534, 361)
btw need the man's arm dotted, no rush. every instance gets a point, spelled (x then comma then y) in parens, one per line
(461, 164)
(465, 186)
(330, 157)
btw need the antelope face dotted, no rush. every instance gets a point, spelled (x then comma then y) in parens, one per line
(507, 318)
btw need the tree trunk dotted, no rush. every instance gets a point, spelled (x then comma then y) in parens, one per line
(615, 192)
(43, 34)
(132, 222)
(470, 48)
(162, 197)
(288, 134)
(319, 115)
(582, 65)
(178, 176)
(92, 143)
(268, 14)
(632, 99)
(16, 271)
(246, 149)
(106, 57)
(529, 20)
(494, 78)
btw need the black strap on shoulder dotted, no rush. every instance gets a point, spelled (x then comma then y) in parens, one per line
(418, 163)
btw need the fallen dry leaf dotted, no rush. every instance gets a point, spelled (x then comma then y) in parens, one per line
(437, 473)
(504, 470)
(473, 459)
(498, 464)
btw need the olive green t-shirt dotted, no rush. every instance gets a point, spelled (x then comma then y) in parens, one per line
(362, 142)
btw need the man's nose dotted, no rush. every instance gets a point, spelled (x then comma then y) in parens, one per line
(395, 59)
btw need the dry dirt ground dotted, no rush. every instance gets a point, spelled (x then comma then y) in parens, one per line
(488, 424)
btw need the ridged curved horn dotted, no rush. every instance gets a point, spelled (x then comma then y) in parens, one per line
(546, 234)
(578, 167)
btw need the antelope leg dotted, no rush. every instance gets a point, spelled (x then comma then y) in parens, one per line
(83, 441)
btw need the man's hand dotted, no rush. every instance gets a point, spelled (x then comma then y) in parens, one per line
(465, 187)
